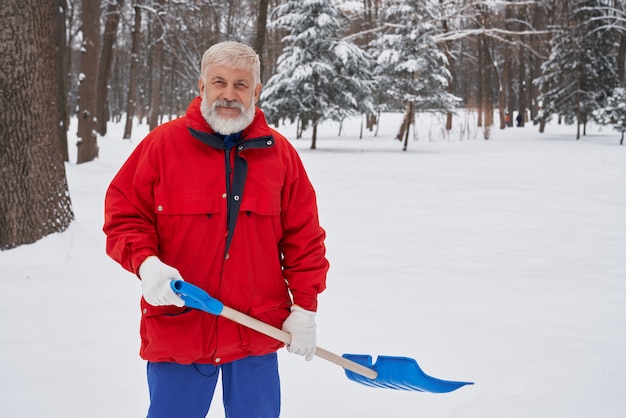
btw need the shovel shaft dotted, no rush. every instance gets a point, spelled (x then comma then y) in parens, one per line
(260, 326)
(345, 363)
(280, 335)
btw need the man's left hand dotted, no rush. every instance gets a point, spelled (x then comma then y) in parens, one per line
(301, 325)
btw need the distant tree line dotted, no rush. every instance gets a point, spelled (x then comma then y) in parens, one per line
(535, 58)
(125, 60)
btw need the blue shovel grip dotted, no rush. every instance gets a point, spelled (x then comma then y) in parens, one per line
(197, 298)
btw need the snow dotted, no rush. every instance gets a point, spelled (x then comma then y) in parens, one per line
(499, 262)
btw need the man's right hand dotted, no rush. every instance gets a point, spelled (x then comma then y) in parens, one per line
(155, 282)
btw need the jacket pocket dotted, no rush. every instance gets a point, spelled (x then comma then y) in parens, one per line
(259, 216)
(188, 203)
(170, 333)
(261, 204)
(148, 310)
(180, 214)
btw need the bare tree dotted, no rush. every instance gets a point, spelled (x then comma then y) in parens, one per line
(156, 53)
(261, 31)
(35, 200)
(87, 89)
(447, 48)
(506, 87)
(621, 58)
(62, 71)
(485, 65)
(131, 102)
(521, 62)
(538, 53)
(112, 19)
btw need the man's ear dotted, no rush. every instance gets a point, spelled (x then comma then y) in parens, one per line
(257, 92)
(201, 86)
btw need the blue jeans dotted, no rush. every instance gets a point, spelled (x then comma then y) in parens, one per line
(251, 388)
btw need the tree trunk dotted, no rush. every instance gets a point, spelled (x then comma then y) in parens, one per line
(173, 112)
(261, 30)
(314, 136)
(70, 58)
(157, 69)
(487, 105)
(299, 128)
(505, 110)
(88, 83)
(621, 57)
(539, 44)
(62, 71)
(112, 19)
(132, 75)
(370, 120)
(447, 46)
(407, 126)
(403, 134)
(504, 114)
(406, 122)
(35, 199)
(361, 129)
(481, 79)
(510, 90)
(521, 58)
(578, 113)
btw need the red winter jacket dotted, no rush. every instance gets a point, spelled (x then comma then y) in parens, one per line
(170, 199)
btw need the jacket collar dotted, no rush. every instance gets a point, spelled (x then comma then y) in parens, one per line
(201, 130)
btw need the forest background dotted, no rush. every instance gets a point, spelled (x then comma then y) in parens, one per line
(511, 62)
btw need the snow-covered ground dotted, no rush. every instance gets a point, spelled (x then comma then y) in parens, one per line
(501, 262)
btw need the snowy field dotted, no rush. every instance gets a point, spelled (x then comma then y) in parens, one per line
(501, 262)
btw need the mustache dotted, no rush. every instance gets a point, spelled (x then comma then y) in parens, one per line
(227, 103)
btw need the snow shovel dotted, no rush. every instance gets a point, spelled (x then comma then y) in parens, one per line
(388, 372)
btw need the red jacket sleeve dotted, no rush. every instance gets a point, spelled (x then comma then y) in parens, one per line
(129, 216)
(302, 244)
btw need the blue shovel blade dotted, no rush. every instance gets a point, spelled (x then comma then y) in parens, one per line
(400, 373)
(195, 297)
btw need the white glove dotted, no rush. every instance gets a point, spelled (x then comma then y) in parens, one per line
(301, 325)
(155, 282)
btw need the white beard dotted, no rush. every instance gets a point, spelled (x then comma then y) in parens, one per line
(226, 126)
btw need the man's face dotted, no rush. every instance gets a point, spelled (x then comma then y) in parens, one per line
(228, 98)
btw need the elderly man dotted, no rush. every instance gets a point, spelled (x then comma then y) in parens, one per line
(221, 200)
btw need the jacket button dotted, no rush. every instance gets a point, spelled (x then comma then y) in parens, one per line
(160, 208)
(236, 198)
(217, 359)
(240, 147)
(269, 142)
(227, 256)
(145, 311)
(223, 195)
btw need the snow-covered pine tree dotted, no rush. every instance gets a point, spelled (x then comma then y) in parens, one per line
(319, 75)
(581, 71)
(411, 70)
(614, 113)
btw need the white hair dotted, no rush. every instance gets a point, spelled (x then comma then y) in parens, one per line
(234, 54)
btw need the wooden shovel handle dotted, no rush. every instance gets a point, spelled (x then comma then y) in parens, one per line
(280, 335)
